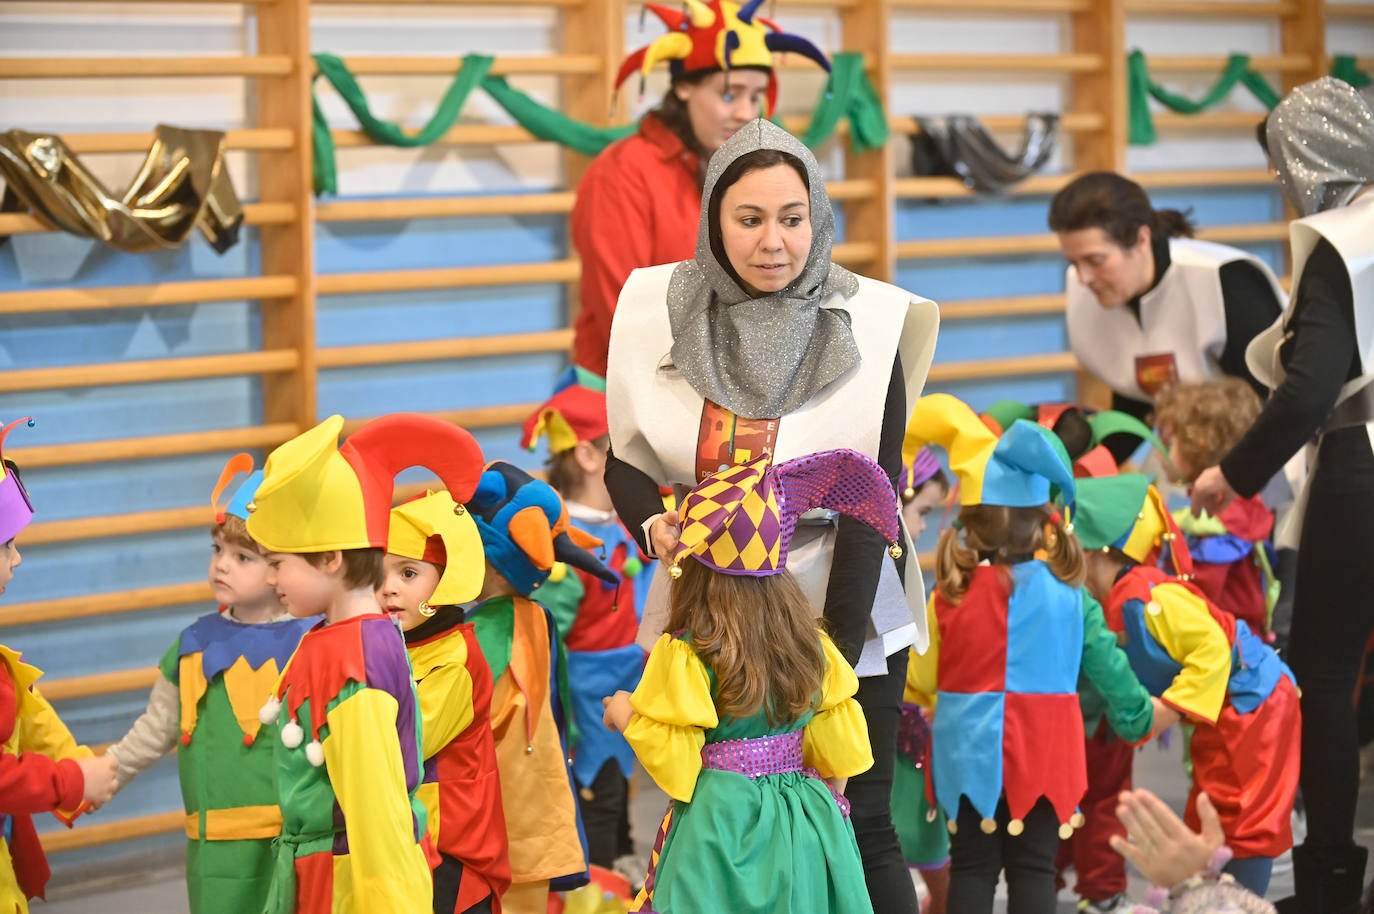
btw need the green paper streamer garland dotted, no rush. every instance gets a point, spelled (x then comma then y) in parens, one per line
(848, 93)
(1140, 88)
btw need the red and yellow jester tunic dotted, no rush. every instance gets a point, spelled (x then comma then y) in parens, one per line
(38, 773)
(1240, 697)
(461, 790)
(1003, 666)
(348, 765)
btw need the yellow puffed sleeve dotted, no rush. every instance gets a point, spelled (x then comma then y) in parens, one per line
(673, 711)
(835, 741)
(1179, 620)
(444, 688)
(922, 670)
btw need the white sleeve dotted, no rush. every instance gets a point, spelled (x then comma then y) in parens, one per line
(152, 736)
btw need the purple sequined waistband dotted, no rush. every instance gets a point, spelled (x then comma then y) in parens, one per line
(755, 757)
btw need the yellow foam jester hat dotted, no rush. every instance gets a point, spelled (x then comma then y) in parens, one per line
(431, 529)
(1015, 470)
(317, 496)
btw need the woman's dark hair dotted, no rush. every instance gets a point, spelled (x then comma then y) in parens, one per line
(672, 111)
(757, 160)
(1118, 206)
(1262, 136)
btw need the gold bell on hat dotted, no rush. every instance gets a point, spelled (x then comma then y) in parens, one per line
(675, 571)
(895, 550)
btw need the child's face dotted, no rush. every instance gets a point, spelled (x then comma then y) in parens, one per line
(1186, 472)
(408, 583)
(9, 560)
(927, 499)
(303, 589)
(238, 575)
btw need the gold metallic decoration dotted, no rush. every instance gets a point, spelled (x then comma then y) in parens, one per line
(953, 827)
(1065, 832)
(895, 550)
(182, 185)
(1015, 827)
(931, 814)
(1077, 820)
(674, 571)
(908, 493)
(251, 506)
(988, 826)
(459, 509)
(426, 610)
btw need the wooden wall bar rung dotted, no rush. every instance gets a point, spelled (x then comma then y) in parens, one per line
(552, 65)
(514, 274)
(272, 361)
(941, 188)
(121, 525)
(994, 6)
(455, 3)
(1012, 367)
(122, 67)
(1017, 63)
(253, 139)
(1207, 121)
(253, 214)
(1201, 63)
(1069, 121)
(153, 446)
(467, 135)
(65, 609)
(472, 417)
(1210, 8)
(466, 347)
(556, 203)
(97, 684)
(87, 835)
(153, 295)
(1213, 177)
(1021, 245)
(854, 252)
(1019, 306)
(1350, 10)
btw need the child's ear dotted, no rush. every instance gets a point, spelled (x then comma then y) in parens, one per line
(332, 562)
(587, 456)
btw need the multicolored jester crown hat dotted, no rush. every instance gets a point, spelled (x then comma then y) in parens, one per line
(718, 35)
(525, 529)
(575, 413)
(16, 509)
(740, 520)
(431, 528)
(1128, 514)
(1015, 470)
(318, 496)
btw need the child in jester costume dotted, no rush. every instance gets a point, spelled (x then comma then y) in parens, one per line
(1238, 699)
(434, 563)
(42, 769)
(597, 619)
(215, 677)
(349, 758)
(1011, 629)
(525, 530)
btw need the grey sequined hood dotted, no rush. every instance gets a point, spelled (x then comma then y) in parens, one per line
(767, 356)
(1321, 141)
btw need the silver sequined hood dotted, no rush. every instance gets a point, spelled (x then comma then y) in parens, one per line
(1321, 141)
(762, 357)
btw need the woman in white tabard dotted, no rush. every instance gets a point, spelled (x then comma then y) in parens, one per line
(1148, 304)
(761, 343)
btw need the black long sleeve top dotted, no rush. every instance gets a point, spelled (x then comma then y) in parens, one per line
(1319, 356)
(1250, 306)
(859, 549)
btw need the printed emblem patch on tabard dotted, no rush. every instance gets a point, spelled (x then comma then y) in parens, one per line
(725, 439)
(1154, 372)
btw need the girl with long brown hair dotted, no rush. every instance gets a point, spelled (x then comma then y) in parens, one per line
(745, 714)
(1011, 627)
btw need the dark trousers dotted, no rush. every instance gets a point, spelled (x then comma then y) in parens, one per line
(1333, 614)
(605, 809)
(870, 794)
(1100, 872)
(978, 858)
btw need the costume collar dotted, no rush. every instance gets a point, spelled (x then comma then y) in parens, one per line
(669, 145)
(444, 620)
(1159, 246)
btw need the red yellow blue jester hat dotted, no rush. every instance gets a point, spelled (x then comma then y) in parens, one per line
(317, 496)
(740, 520)
(1128, 514)
(575, 413)
(718, 35)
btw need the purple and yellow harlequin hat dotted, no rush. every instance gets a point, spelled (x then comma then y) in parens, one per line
(740, 520)
(16, 509)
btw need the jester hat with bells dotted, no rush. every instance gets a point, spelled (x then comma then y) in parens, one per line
(431, 528)
(1128, 514)
(318, 496)
(1015, 470)
(16, 508)
(740, 520)
(243, 496)
(524, 529)
(718, 35)
(575, 413)
(1095, 459)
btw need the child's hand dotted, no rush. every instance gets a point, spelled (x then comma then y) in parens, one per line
(99, 773)
(1211, 492)
(1165, 717)
(1161, 846)
(618, 711)
(663, 536)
